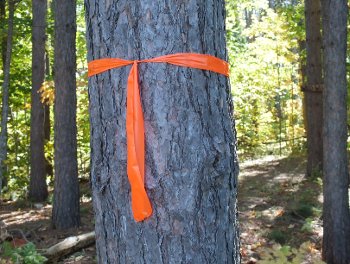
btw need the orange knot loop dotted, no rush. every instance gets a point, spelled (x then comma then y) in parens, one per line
(141, 205)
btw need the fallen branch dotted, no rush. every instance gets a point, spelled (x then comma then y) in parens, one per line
(68, 246)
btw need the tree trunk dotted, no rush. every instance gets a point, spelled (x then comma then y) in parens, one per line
(5, 94)
(302, 77)
(191, 163)
(336, 216)
(313, 88)
(3, 57)
(37, 186)
(4, 35)
(66, 194)
(47, 122)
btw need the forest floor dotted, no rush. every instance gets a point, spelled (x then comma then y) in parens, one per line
(277, 206)
(279, 211)
(28, 222)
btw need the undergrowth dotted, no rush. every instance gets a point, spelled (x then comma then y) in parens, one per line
(26, 254)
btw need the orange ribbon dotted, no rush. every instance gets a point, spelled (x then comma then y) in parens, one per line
(141, 205)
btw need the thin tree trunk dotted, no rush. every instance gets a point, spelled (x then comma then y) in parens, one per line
(313, 87)
(66, 194)
(37, 186)
(47, 123)
(4, 35)
(336, 215)
(5, 94)
(13, 120)
(191, 163)
(3, 57)
(302, 78)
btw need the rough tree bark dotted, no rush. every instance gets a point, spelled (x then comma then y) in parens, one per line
(191, 163)
(37, 186)
(5, 93)
(66, 194)
(313, 86)
(336, 216)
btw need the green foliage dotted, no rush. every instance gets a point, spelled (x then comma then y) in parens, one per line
(278, 236)
(26, 254)
(307, 226)
(316, 174)
(83, 124)
(306, 205)
(264, 54)
(304, 210)
(19, 118)
(287, 255)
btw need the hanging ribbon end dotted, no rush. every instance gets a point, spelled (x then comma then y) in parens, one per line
(142, 211)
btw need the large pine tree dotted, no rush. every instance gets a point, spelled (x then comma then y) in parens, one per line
(336, 215)
(314, 86)
(191, 163)
(66, 211)
(37, 187)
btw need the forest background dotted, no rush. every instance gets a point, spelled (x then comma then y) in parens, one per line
(265, 57)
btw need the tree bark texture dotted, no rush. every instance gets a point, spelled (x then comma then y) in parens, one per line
(37, 186)
(191, 163)
(66, 194)
(5, 94)
(313, 99)
(336, 216)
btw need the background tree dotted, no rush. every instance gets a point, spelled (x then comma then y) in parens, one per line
(5, 93)
(47, 121)
(191, 163)
(314, 86)
(3, 57)
(336, 216)
(18, 157)
(66, 193)
(4, 35)
(38, 187)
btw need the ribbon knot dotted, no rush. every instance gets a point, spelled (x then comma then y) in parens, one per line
(141, 205)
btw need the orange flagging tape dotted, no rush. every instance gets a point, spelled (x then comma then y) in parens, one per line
(141, 205)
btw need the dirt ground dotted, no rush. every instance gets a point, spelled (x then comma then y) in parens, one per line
(274, 207)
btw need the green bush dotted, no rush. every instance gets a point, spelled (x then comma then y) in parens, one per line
(277, 236)
(26, 254)
(307, 226)
(304, 210)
